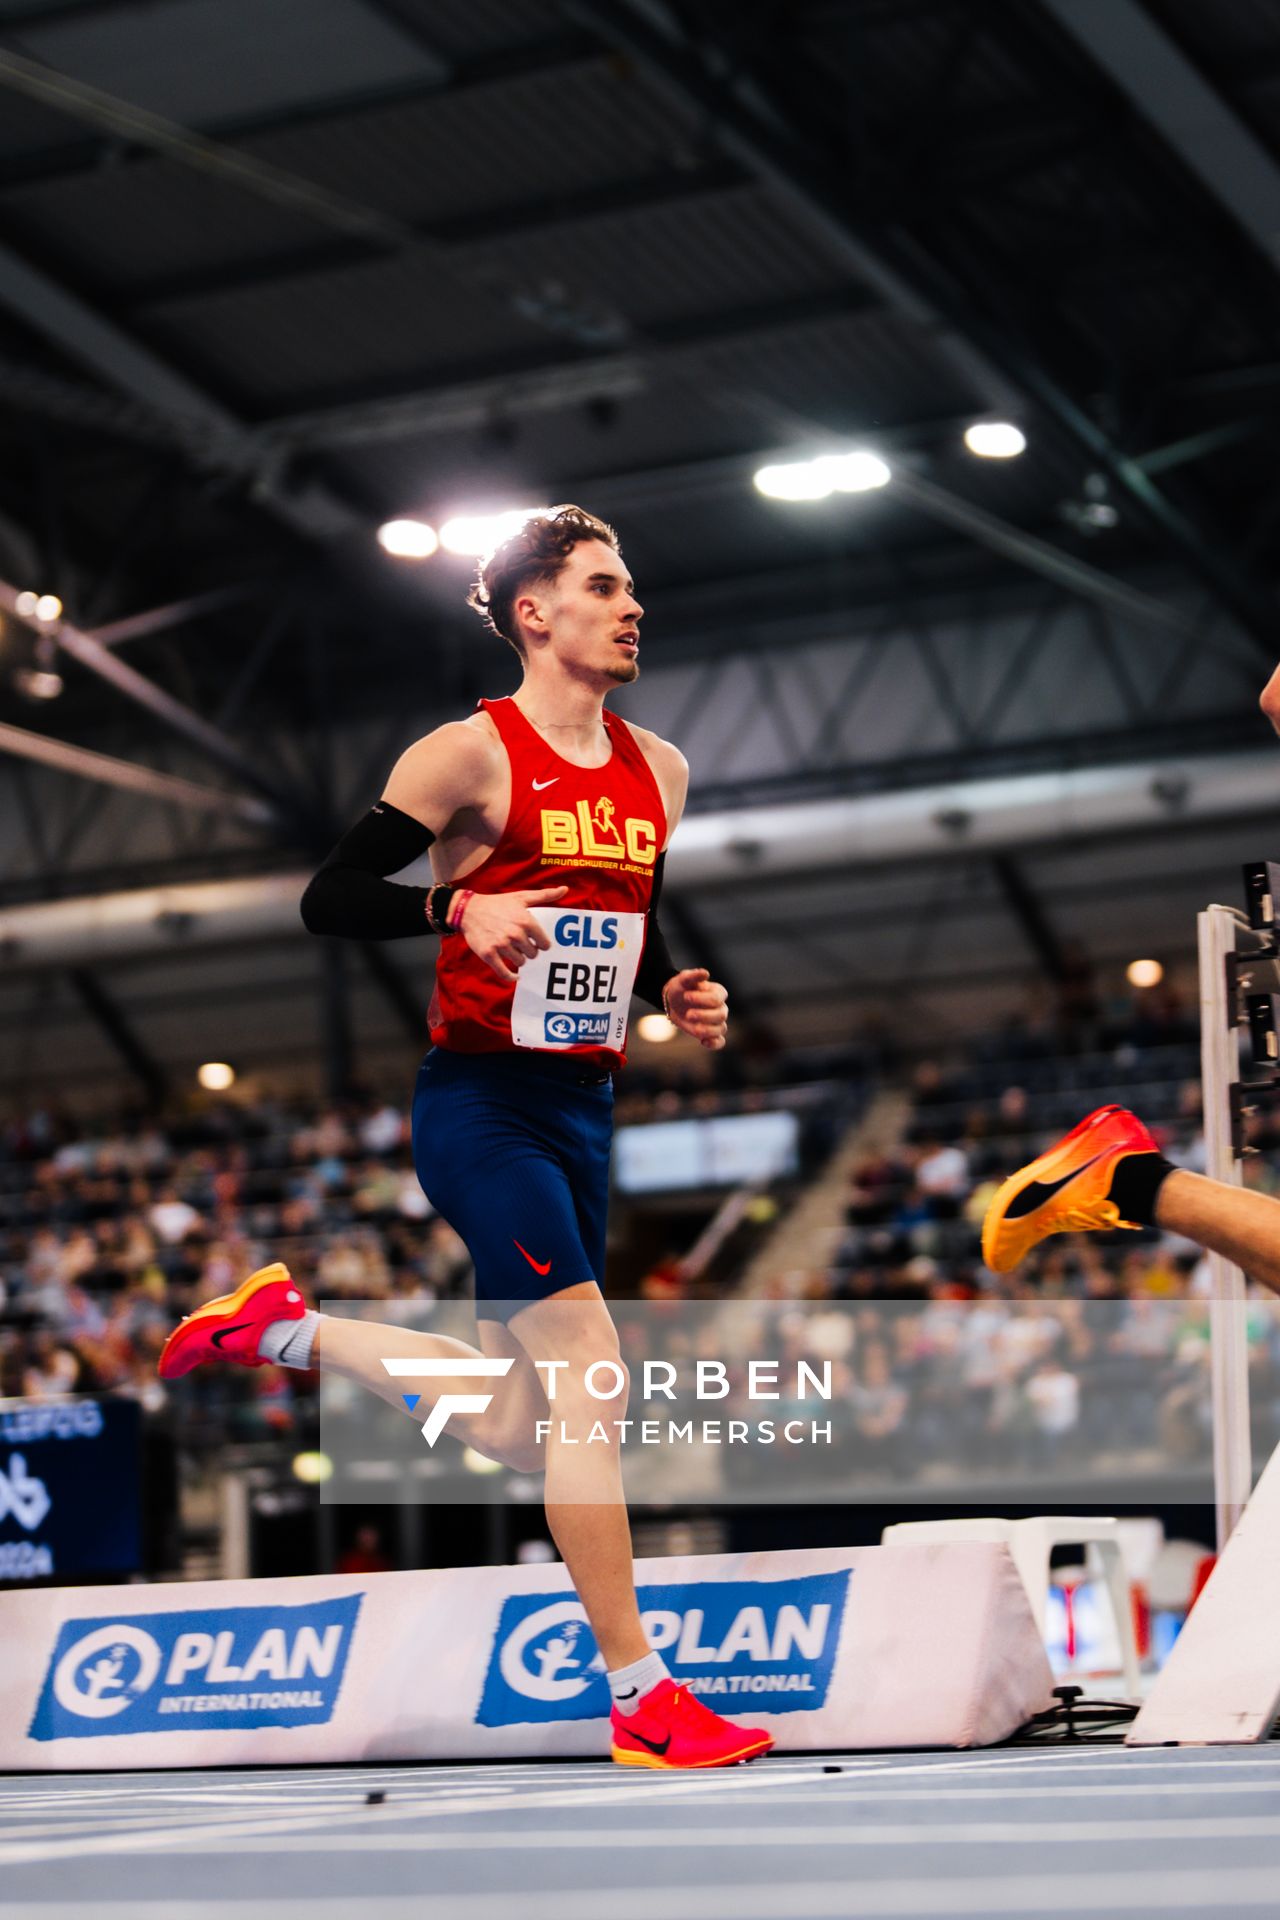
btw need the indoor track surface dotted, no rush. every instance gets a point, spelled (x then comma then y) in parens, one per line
(1095, 1831)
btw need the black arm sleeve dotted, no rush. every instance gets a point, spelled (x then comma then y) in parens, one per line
(350, 895)
(657, 966)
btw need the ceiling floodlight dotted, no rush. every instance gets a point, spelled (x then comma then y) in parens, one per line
(215, 1076)
(408, 539)
(858, 472)
(48, 608)
(995, 439)
(474, 535)
(855, 472)
(1144, 973)
(656, 1027)
(38, 683)
(25, 605)
(798, 480)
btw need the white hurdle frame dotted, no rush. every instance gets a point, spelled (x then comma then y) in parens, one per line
(1221, 1682)
(1229, 1353)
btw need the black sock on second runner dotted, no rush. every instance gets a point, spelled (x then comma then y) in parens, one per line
(1135, 1184)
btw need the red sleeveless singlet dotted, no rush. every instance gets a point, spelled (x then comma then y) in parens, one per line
(596, 830)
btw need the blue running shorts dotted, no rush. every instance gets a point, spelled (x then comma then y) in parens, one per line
(513, 1151)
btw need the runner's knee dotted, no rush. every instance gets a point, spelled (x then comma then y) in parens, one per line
(591, 1386)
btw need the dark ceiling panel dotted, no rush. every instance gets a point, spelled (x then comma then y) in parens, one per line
(386, 321)
(460, 152)
(199, 61)
(466, 28)
(116, 224)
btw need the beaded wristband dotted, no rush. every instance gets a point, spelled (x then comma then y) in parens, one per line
(458, 906)
(436, 920)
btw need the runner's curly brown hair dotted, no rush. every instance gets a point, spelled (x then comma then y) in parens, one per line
(533, 556)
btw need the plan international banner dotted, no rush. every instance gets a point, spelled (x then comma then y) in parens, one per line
(929, 1646)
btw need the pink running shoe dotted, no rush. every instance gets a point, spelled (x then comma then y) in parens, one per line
(674, 1729)
(230, 1327)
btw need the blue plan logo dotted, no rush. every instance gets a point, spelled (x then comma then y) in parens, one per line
(231, 1666)
(772, 1643)
(576, 1029)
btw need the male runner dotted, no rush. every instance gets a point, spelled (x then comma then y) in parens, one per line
(1108, 1172)
(548, 819)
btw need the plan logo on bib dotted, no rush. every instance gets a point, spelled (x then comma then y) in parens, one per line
(230, 1666)
(768, 1643)
(576, 991)
(577, 1029)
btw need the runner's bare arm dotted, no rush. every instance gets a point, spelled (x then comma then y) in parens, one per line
(671, 771)
(448, 772)
(450, 775)
(350, 897)
(1269, 700)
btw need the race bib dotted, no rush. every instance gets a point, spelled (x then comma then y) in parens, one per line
(577, 994)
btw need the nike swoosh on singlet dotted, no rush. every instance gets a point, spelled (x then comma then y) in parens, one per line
(1039, 1191)
(538, 785)
(227, 1332)
(654, 1746)
(539, 1266)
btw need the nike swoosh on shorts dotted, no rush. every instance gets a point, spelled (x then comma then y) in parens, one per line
(539, 1266)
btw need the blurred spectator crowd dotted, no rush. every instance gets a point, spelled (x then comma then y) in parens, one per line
(109, 1233)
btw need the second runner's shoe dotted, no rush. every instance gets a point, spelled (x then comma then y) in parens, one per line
(673, 1729)
(230, 1327)
(1066, 1190)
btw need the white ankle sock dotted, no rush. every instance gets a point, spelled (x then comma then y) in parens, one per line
(629, 1685)
(289, 1342)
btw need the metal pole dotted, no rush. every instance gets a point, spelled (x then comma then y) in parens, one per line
(1219, 1071)
(90, 765)
(136, 687)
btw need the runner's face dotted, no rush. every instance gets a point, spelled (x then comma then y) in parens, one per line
(595, 616)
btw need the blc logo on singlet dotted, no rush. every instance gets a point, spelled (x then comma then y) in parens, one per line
(592, 834)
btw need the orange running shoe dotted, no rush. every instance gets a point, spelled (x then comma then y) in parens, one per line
(230, 1327)
(1064, 1191)
(674, 1729)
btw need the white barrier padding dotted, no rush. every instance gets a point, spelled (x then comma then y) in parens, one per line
(1220, 1685)
(871, 1647)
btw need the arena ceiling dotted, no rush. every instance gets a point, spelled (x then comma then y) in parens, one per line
(274, 271)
